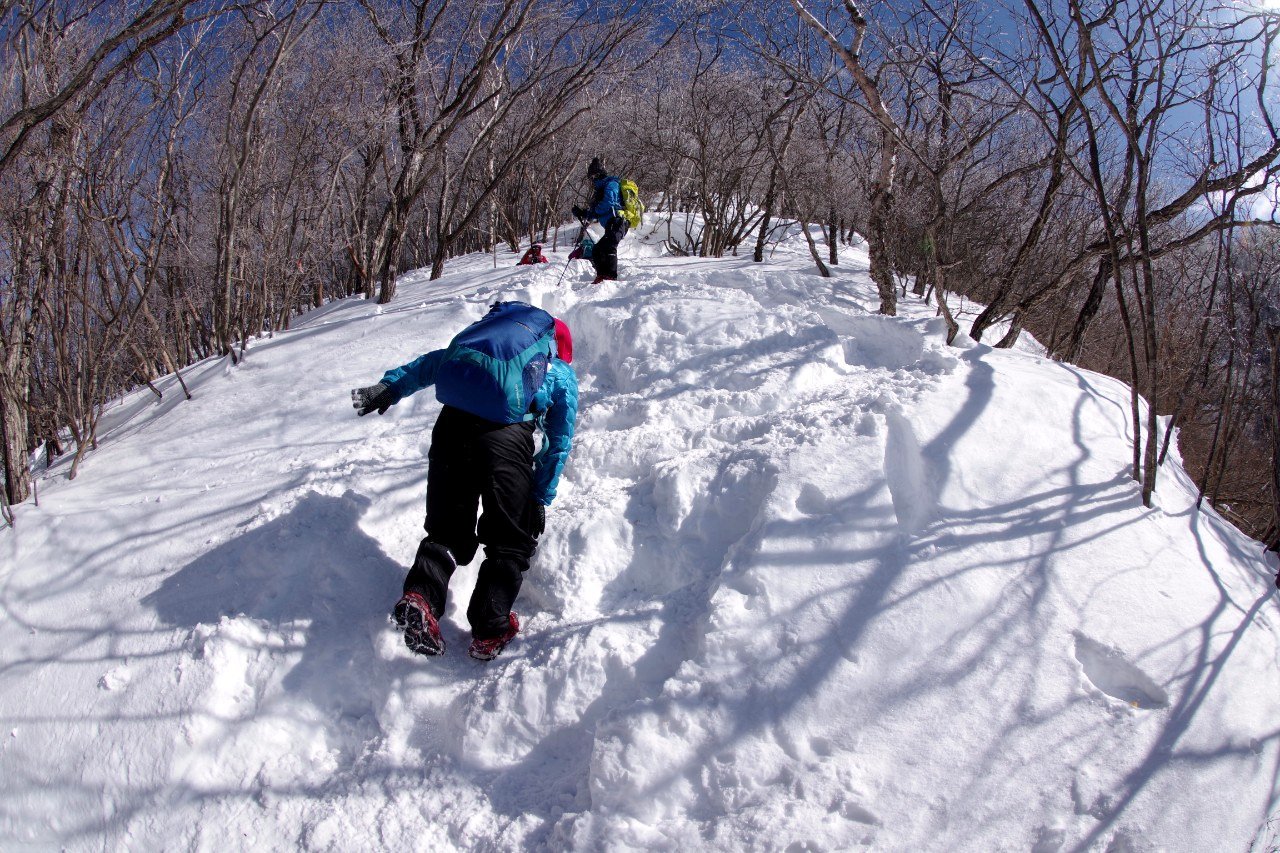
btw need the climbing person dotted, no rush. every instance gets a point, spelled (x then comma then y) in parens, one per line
(606, 208)
(532, 256)
(500, 379)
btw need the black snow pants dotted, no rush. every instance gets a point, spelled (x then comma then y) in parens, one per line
(604, 256)
(477, 464)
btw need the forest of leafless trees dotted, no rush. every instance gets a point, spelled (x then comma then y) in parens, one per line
(178, 177)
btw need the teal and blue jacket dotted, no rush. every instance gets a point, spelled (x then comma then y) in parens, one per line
(555, 409)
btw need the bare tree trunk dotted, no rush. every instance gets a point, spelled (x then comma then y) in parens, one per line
(833, 239)
(1089, 310)
(1273, 542)
(241, 139)
(762, 235)
(938, 272)
(813, 250)
(1057, 176)
(1015, 329)
(15, 387)
(13, 448)
(1151, 351)
(882, 181)
(778, 156)
(1135, 410)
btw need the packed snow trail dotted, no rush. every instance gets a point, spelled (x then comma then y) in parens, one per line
(814, 581)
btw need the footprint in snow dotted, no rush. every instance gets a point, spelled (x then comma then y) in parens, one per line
(1112, 673)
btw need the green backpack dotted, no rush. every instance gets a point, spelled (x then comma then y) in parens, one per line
(632, 208)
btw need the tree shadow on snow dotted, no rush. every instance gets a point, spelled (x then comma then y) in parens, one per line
(1051, 522)
(1017, 543)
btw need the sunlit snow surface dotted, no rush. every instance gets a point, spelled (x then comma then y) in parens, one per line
(814, 581)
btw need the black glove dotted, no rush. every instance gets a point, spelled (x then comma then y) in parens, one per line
(579, 212)
(539, 520)
(379, 397)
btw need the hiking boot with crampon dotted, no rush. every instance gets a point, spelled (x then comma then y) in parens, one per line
(421, 631)
(492, 647)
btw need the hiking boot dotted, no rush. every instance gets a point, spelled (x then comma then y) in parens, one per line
(421, 631)
(601, 278)
(492, 647)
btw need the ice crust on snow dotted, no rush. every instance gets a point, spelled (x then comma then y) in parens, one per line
(814, 580)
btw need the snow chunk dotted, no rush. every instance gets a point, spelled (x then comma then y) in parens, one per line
(115, 678)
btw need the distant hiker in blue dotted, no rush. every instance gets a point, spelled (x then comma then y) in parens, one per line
(500, 379)
(606, 207)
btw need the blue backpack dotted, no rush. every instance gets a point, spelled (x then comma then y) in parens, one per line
(494, 367)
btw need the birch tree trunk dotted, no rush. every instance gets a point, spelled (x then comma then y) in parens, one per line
(881, 184)
(1273, 543)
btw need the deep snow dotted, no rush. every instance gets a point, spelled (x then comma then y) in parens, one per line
(814, 581)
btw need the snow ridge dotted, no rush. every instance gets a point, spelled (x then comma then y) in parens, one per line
(814, 581)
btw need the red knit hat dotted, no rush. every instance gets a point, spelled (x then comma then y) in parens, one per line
(564, 341)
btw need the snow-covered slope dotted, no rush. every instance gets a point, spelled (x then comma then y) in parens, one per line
(814, 581)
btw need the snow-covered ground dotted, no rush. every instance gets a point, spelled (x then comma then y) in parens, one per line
(814, 581)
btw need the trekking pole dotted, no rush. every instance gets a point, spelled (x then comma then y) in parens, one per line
(576, 245)
(563, 272)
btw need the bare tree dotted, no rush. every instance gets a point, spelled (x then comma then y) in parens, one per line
(273, 31)
(530, 97)
(83, 73)
(1133, 69)
(59, 59)
(440, 56)
(1272, 536)
(880, 185)
(780, 129)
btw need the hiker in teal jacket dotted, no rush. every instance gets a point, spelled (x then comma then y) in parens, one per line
(477, 463)
(556, 404)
